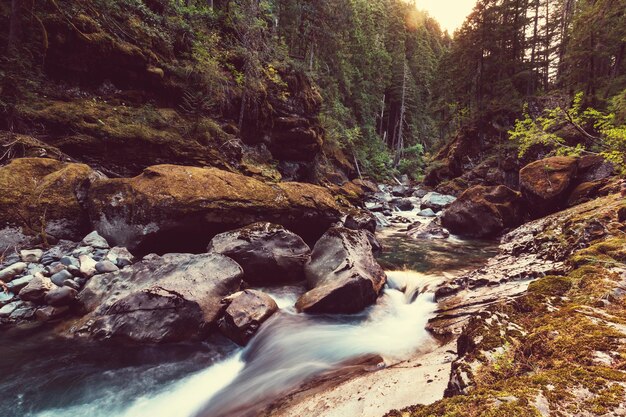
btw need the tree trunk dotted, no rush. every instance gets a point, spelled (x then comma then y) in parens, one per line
(14, 27)
(400, 140)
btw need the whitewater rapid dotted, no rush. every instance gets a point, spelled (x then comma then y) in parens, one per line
(289, 350)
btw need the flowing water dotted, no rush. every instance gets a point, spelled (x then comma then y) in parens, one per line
(42, 376)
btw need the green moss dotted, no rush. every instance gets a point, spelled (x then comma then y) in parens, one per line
(608, 252)
(550, 286)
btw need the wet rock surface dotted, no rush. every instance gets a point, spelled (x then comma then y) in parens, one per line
(343, 275)
(245, 313)
(484, 212)
(268, 253)
(159, 299)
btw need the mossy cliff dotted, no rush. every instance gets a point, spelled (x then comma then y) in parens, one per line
(560, 348)
(123, 85)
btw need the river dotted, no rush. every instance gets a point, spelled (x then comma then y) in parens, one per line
(44, 376)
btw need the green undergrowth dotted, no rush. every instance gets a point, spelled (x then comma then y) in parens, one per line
(558, 348)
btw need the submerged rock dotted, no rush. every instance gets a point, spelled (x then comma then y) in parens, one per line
(268, 253)
(245, 313)
(546, 184)
(483, 211)
(343, 275)
(428, 230)
(160, 299)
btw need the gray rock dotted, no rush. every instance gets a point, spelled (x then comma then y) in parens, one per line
(8, 309)
(94, 240)
(33, 269)
(87, 266)
(48, 313)
(403, 204)
(32, 255)
(430, 230)
(245, 314)
(99, 254)
(36, 289)
(74, 270)
(268, 253)
(103, 267)
(6, 297)
(69, 260)
(420, 193)
(381, 220)
(436, 201)
(361, 220)
(10, 272)
(17, 284)
(61, 296)
(166, 298)
(54, 268)
(120, 256)
(10, 259)
(342, 274)
(60, 277)
(72, 284)
(427, 213)
(83, 250)
(23, 312)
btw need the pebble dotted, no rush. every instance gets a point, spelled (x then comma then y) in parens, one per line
(60, 277)
(87, 266)
(8, 309)
(5, 297)
(61, 296)
(11, 259)
(99, 254)
(69, 260)
(17, 284)
(83, 250)
(74, 270)
(71, 283)
(23, 313)
(50, 313)
(106, 266)
(55, 268)
(36, 289)
(7, 274)
(427, 213)
(31, 255)
(120, 256)
(95, 240)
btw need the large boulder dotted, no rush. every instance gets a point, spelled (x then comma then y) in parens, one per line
(185, 205)
(245, 313)
(545, 184)
(342, 274)
(484, 211)
(44, 194)
(160, 299)
(268, 253)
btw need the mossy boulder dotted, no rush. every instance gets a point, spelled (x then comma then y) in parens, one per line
(44, 197)
(545, 184)
(484, 211)
(180, 205)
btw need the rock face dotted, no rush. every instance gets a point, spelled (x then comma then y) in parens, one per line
(160, 299)
(34, 187)
(245, 314)
(343, 275)
(484, 211)
(268, 253)
(545, 184)
(190, 203)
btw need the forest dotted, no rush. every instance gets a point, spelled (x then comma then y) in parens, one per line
(242, 208)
